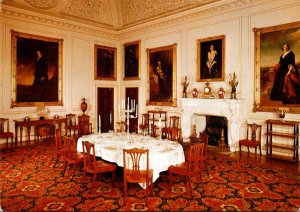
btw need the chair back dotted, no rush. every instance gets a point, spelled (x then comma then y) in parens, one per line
(195, 158)
(89, 155)
(137, 161)
(204, 139)
(174, 121)
(84, 125)
(59, 142)
(145, 122)
(71, 148)
(121, 126)
(254, 132)
(3, 128)
(71, 119)
(173, 133)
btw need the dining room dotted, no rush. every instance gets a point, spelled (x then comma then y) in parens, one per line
(149, 105)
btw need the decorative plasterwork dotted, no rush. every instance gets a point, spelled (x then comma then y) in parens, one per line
(135, 10)
(175, 20)
(96, 10)
(59, 23)
(42, 3)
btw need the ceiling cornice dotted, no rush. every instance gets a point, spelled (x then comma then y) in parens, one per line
(37, 18)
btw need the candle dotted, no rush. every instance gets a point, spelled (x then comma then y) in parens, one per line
(128, 103)
(99, 124)
(136, 111)
(159, 123)
(123, 104)
(110, 118)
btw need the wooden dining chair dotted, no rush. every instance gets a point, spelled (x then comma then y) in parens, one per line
(94, 166)
(85, 127)
(4, 130)
(192, 167)
(71, 125)
(169, 132)
(121, 126)
(72, 156)
(253, 137)
(204, 139)
(144, 126)
(60, 149)
(136, 169)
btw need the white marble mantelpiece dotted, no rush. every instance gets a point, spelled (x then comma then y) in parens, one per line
(229, 108)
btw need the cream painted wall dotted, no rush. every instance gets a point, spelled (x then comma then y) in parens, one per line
(78, 63)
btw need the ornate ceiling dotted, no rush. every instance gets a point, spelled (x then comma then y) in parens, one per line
(109, 14)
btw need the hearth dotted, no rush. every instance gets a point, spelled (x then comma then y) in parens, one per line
(216, 129)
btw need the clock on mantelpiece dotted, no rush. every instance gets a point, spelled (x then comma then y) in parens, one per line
(207, 91)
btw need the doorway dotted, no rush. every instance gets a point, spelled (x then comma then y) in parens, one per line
(105, 109)
(133, 94)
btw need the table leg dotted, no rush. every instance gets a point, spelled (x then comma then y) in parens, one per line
(16, 133)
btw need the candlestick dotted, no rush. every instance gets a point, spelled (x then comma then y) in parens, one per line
(99, 124)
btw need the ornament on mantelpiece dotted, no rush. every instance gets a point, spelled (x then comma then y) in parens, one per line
(207, 91)
(195, 93)
(185, 85)
(233, 82)
(221, 93)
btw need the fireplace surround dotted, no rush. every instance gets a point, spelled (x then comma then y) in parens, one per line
(190, 108)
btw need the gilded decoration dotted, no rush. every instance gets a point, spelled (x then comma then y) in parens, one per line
(42, 3)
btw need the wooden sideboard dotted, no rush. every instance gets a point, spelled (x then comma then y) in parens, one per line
(36, 122)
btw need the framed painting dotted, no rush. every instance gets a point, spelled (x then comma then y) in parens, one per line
(132, 60)
(105, 63)
(162, 73)
(277, 68)
(36, 70)
(210, 59)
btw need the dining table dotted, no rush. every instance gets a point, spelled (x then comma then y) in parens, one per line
(109, 146)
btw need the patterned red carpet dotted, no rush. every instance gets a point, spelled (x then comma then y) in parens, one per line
(29, 182)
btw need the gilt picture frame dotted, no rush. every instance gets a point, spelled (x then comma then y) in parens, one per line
(277, 68)
(132, 55)
(211, 59)
(162, 76)
(105, 59)
(36, 70)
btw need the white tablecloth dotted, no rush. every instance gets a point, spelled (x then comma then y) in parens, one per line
(162, 153)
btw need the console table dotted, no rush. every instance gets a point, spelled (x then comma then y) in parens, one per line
(35, 122)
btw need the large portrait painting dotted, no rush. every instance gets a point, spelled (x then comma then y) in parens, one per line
(36, 70)
(105, 63)
(162, 72)
(131, 60)
(210, 59)
(277, 69)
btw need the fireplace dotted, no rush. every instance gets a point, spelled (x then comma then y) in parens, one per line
(216, 129)
(195, 110)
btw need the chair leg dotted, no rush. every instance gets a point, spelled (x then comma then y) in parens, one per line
(170, 180)
(94, 179)
(65, 168)
(260, 149)
(240, 148)
(125, 192)
(57, 159)
(206, 167)
(248, 149)
(190, 184)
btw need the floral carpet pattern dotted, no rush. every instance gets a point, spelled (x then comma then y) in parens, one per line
(29, 182)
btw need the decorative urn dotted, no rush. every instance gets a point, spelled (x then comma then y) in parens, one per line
(83, 105)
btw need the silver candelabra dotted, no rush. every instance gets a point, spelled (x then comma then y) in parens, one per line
(129, 113)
